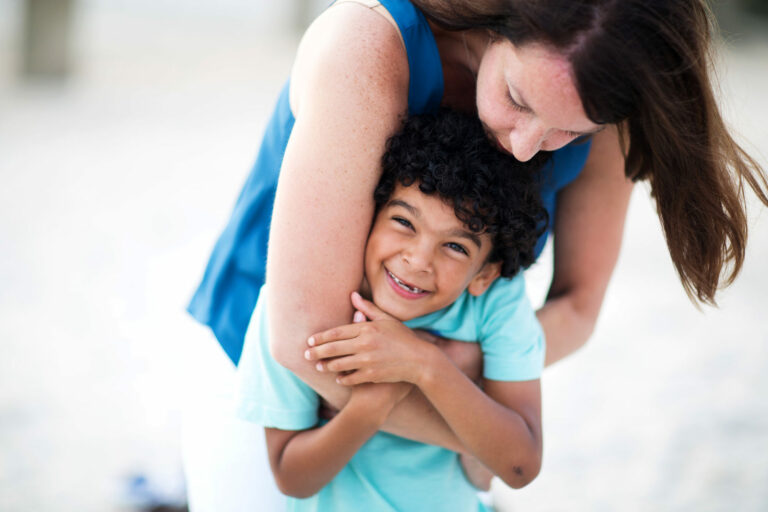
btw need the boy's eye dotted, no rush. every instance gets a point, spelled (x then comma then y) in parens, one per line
(403, 222)
(457, 247)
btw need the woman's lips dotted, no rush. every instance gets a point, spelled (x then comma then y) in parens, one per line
(401, 290)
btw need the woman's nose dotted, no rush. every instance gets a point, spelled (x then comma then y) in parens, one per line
(526, 141)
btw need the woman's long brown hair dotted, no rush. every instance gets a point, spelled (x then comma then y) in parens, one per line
(646, 65)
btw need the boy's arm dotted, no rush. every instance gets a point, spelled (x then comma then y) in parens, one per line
(303, 462)
(507, 414)
(476, 473)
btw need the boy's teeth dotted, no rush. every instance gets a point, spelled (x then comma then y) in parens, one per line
(403, 285)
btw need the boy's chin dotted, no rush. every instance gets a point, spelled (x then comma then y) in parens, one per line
(398, 311)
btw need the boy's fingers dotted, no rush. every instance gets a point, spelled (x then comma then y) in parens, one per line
(336, 349)
(358, 317)
(343, 364)
(342, 332)
(367, 307)
(352, 379)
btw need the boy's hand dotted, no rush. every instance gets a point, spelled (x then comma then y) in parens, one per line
(382, 349)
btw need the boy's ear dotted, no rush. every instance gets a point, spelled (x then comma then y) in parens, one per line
(484, 278)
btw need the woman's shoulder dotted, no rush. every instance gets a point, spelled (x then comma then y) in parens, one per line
(352, 46)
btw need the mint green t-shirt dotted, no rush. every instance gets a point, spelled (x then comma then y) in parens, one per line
(390, 473)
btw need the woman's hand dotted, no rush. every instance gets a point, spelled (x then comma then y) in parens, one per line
(381, 349)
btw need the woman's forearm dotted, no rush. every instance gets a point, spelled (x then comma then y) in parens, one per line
(588, 227)
(567, 327)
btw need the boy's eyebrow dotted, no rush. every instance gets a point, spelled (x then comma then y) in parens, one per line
(459, 233)
(399, 202)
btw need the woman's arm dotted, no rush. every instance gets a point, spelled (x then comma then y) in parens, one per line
(588, 228)
(349, 92)
(303, 462)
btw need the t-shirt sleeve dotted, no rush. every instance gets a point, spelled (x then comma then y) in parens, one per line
(511, 337)
(268, 393)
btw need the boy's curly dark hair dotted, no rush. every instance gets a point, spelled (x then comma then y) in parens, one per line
(448, 153)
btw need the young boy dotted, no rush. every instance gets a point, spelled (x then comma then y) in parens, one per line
(453, 214)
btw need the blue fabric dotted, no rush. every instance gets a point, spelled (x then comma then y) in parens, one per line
(390, 473)
(564, 167)
(229, 289)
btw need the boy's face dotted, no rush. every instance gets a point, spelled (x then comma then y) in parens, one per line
(420, 257)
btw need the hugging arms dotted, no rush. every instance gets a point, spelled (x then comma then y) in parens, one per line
(344, 113)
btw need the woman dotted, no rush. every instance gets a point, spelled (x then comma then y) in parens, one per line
(630, 80)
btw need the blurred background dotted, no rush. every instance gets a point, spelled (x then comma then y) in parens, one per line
(126, 131)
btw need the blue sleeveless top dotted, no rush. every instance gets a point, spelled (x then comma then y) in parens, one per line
(225, 299)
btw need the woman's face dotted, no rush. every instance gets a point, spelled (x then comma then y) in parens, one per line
(527, 99)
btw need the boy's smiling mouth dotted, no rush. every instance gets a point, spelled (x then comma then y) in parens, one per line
(404, 289)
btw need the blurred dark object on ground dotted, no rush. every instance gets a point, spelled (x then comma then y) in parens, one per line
(166, 508)
(47, 34)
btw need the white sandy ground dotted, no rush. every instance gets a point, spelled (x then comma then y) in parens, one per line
(114, 186)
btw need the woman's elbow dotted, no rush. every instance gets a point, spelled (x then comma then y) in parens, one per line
(284, 353)
(286, 347)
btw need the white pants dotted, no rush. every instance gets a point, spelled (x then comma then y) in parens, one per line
(225, 458)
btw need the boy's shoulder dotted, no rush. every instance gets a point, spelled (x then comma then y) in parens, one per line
(473, 318)
(502, 321)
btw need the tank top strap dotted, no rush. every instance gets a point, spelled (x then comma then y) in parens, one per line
(425, 87)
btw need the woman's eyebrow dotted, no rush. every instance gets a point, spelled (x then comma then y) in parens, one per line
(521, 101)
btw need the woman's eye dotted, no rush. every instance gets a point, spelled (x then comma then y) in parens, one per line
(457, 247)
(515, 105)
(403, 222)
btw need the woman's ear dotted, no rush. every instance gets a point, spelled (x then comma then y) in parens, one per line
(484, 278)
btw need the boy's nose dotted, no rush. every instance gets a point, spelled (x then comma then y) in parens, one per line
(417, 258)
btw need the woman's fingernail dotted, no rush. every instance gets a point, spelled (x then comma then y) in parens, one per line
(319, 367)
(311, 341)
(355, 294)
(307, 355)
